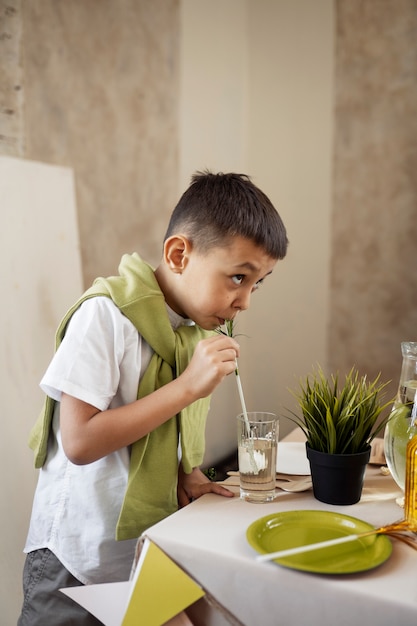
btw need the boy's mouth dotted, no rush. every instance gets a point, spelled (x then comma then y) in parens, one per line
(222, 320)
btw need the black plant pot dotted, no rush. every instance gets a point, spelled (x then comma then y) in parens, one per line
(337, 478)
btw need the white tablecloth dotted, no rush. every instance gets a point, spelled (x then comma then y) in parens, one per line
(208, 539)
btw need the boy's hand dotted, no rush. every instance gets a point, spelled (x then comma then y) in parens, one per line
(192, 486)
(213, 359)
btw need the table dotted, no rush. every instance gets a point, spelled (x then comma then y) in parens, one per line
(208, 540)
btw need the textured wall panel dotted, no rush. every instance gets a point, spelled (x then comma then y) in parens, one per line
(374, 253)
(11, 75)
(100, 96)
(40, 274)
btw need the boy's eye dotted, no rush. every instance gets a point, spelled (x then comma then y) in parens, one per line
(238, 279)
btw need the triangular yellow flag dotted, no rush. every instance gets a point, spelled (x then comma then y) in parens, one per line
(161, 589)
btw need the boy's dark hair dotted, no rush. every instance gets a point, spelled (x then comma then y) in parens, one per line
(217, 207)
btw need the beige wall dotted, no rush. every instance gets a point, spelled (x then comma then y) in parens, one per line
(213, 134)
(315, 100)
(259, 100)
(290, 153)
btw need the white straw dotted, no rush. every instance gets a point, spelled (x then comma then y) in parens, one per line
(243, 403)
(242, 399)
(310, 547)
(252, 459)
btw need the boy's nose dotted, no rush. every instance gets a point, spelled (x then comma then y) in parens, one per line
(242, 302)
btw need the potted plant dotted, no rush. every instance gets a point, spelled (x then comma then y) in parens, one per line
(339, 420)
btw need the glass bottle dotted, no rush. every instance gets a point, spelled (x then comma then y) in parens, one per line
(402, 423)
(410, 503)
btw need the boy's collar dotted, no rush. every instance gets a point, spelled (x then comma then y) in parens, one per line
(177, 320)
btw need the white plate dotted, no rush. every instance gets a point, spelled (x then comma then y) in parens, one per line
(292, 458)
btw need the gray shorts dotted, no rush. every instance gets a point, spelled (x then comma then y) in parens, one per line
(43, 603)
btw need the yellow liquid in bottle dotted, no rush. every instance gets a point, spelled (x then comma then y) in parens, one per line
(410, 501)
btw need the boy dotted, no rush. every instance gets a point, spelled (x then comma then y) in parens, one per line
(135, 365)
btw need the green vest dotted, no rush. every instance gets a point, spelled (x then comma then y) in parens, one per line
(151, 492)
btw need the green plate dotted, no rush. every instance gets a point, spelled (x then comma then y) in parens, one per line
(290, 529)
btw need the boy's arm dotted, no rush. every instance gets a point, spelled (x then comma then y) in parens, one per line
(89, 434)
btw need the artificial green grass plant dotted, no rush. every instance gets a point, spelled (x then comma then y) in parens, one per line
(340, 418)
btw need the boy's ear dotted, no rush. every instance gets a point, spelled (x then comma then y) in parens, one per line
(176, 251)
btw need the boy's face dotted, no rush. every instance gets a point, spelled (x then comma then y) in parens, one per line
(216, 285)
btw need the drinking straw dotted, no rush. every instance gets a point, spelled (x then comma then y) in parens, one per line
(269, 556)
(245, 417)
(229, 332)
(242, 400)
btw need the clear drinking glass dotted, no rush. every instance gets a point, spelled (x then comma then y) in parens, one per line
(257, 455)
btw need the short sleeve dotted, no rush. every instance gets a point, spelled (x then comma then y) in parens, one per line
(99, 342)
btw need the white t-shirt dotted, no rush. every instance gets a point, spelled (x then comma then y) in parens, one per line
(76, 507)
